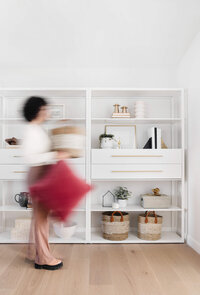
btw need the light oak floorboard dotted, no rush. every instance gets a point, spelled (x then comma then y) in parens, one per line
(112, 269)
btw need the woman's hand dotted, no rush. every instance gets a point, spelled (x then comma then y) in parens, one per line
(61, 155)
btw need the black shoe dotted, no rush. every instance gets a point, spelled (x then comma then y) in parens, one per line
(48, 267)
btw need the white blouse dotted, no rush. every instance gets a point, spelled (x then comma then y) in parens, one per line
(37, 146)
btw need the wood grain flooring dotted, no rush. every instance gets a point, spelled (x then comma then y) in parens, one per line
(104, 269)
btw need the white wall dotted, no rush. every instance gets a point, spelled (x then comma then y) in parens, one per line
(189, 77)
(94, 43)
(88, 77)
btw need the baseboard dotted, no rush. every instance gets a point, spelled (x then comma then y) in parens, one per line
(193, 244)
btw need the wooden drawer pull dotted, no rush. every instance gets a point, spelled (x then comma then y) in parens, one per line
(17, 156)
(137, 156)
(19, 171)
(137, 171)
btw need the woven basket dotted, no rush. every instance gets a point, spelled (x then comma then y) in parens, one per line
(115, 225)
(149, 226)
(70, 139)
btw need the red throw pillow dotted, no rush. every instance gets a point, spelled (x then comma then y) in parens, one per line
(59, 190)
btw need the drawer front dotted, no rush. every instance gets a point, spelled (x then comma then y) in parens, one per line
(15, 172)
(11, 156)
(15, 156)
(78, 169)
(140, 156)
(19, 172)
(137, 171)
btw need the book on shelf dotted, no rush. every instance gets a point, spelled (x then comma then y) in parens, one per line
(121, 115)
(154, 141)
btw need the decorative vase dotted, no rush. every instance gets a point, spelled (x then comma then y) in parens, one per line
(122, 203)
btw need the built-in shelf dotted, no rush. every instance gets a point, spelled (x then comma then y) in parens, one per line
(166, 237)
(79, 237)
(57, 120)
(165, 108)
(132, 208)
(137, 120)
(13, 208)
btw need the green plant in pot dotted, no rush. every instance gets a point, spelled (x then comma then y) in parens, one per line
(122, 194)
(106, 141)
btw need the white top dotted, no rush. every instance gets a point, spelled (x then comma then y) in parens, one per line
(37, 146)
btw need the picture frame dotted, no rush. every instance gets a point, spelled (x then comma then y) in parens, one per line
(125, 135)
(57, 111)
(107, 199)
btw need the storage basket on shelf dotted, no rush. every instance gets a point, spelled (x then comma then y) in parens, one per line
(115, 225)
(150, 201)
(149, 226)
(70, 139)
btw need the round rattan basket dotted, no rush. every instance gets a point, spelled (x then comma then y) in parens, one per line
(149, 226)
(70, 139)
(115, 225)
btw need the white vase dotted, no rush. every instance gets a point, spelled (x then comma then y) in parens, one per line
(122, 203)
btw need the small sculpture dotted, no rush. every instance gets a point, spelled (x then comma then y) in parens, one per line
(107, 199)
(124, 110)
(116, 110)
(163, 145)
(156, 191)
(123, 114)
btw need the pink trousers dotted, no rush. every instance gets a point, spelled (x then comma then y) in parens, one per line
(38, 248)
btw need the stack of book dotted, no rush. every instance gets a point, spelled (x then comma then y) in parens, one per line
(121, 115)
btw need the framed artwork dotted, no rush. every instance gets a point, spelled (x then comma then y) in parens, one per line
(125, 135)
(57, 111)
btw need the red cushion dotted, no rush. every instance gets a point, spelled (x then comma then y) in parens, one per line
(59, 190)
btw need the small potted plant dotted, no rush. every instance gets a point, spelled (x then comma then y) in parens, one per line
(106, 141)
(122, 194)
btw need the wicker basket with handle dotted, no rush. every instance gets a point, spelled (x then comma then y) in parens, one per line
(115, 225)
(70, 139)
(149, 226)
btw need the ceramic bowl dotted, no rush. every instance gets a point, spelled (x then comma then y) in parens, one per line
(64, 230)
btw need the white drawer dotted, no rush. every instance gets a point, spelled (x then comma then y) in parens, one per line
(15, 172)
(78, 169)
(143, 156)
(137, 171)
(11, 156)
(19, 172)
(15, 156)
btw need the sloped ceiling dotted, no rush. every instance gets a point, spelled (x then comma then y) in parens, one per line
(96, 33)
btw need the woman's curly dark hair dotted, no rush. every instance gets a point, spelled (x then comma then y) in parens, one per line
(32, 107)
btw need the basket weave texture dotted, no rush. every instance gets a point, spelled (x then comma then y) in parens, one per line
(70, 139)
(115, 225)
(149, 226)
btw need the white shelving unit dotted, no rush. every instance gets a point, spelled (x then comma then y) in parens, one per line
(138, 169)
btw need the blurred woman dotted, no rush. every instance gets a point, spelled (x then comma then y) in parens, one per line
(38, 155)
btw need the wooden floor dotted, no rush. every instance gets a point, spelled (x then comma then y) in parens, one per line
(104, 269)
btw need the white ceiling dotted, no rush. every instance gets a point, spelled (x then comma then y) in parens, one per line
(96, 33)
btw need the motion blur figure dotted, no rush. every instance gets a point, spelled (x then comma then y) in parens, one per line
(38, 155)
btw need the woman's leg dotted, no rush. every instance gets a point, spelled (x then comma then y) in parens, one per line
(41, 233)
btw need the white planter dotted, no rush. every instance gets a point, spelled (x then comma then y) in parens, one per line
(122, 203)
(107, 143)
